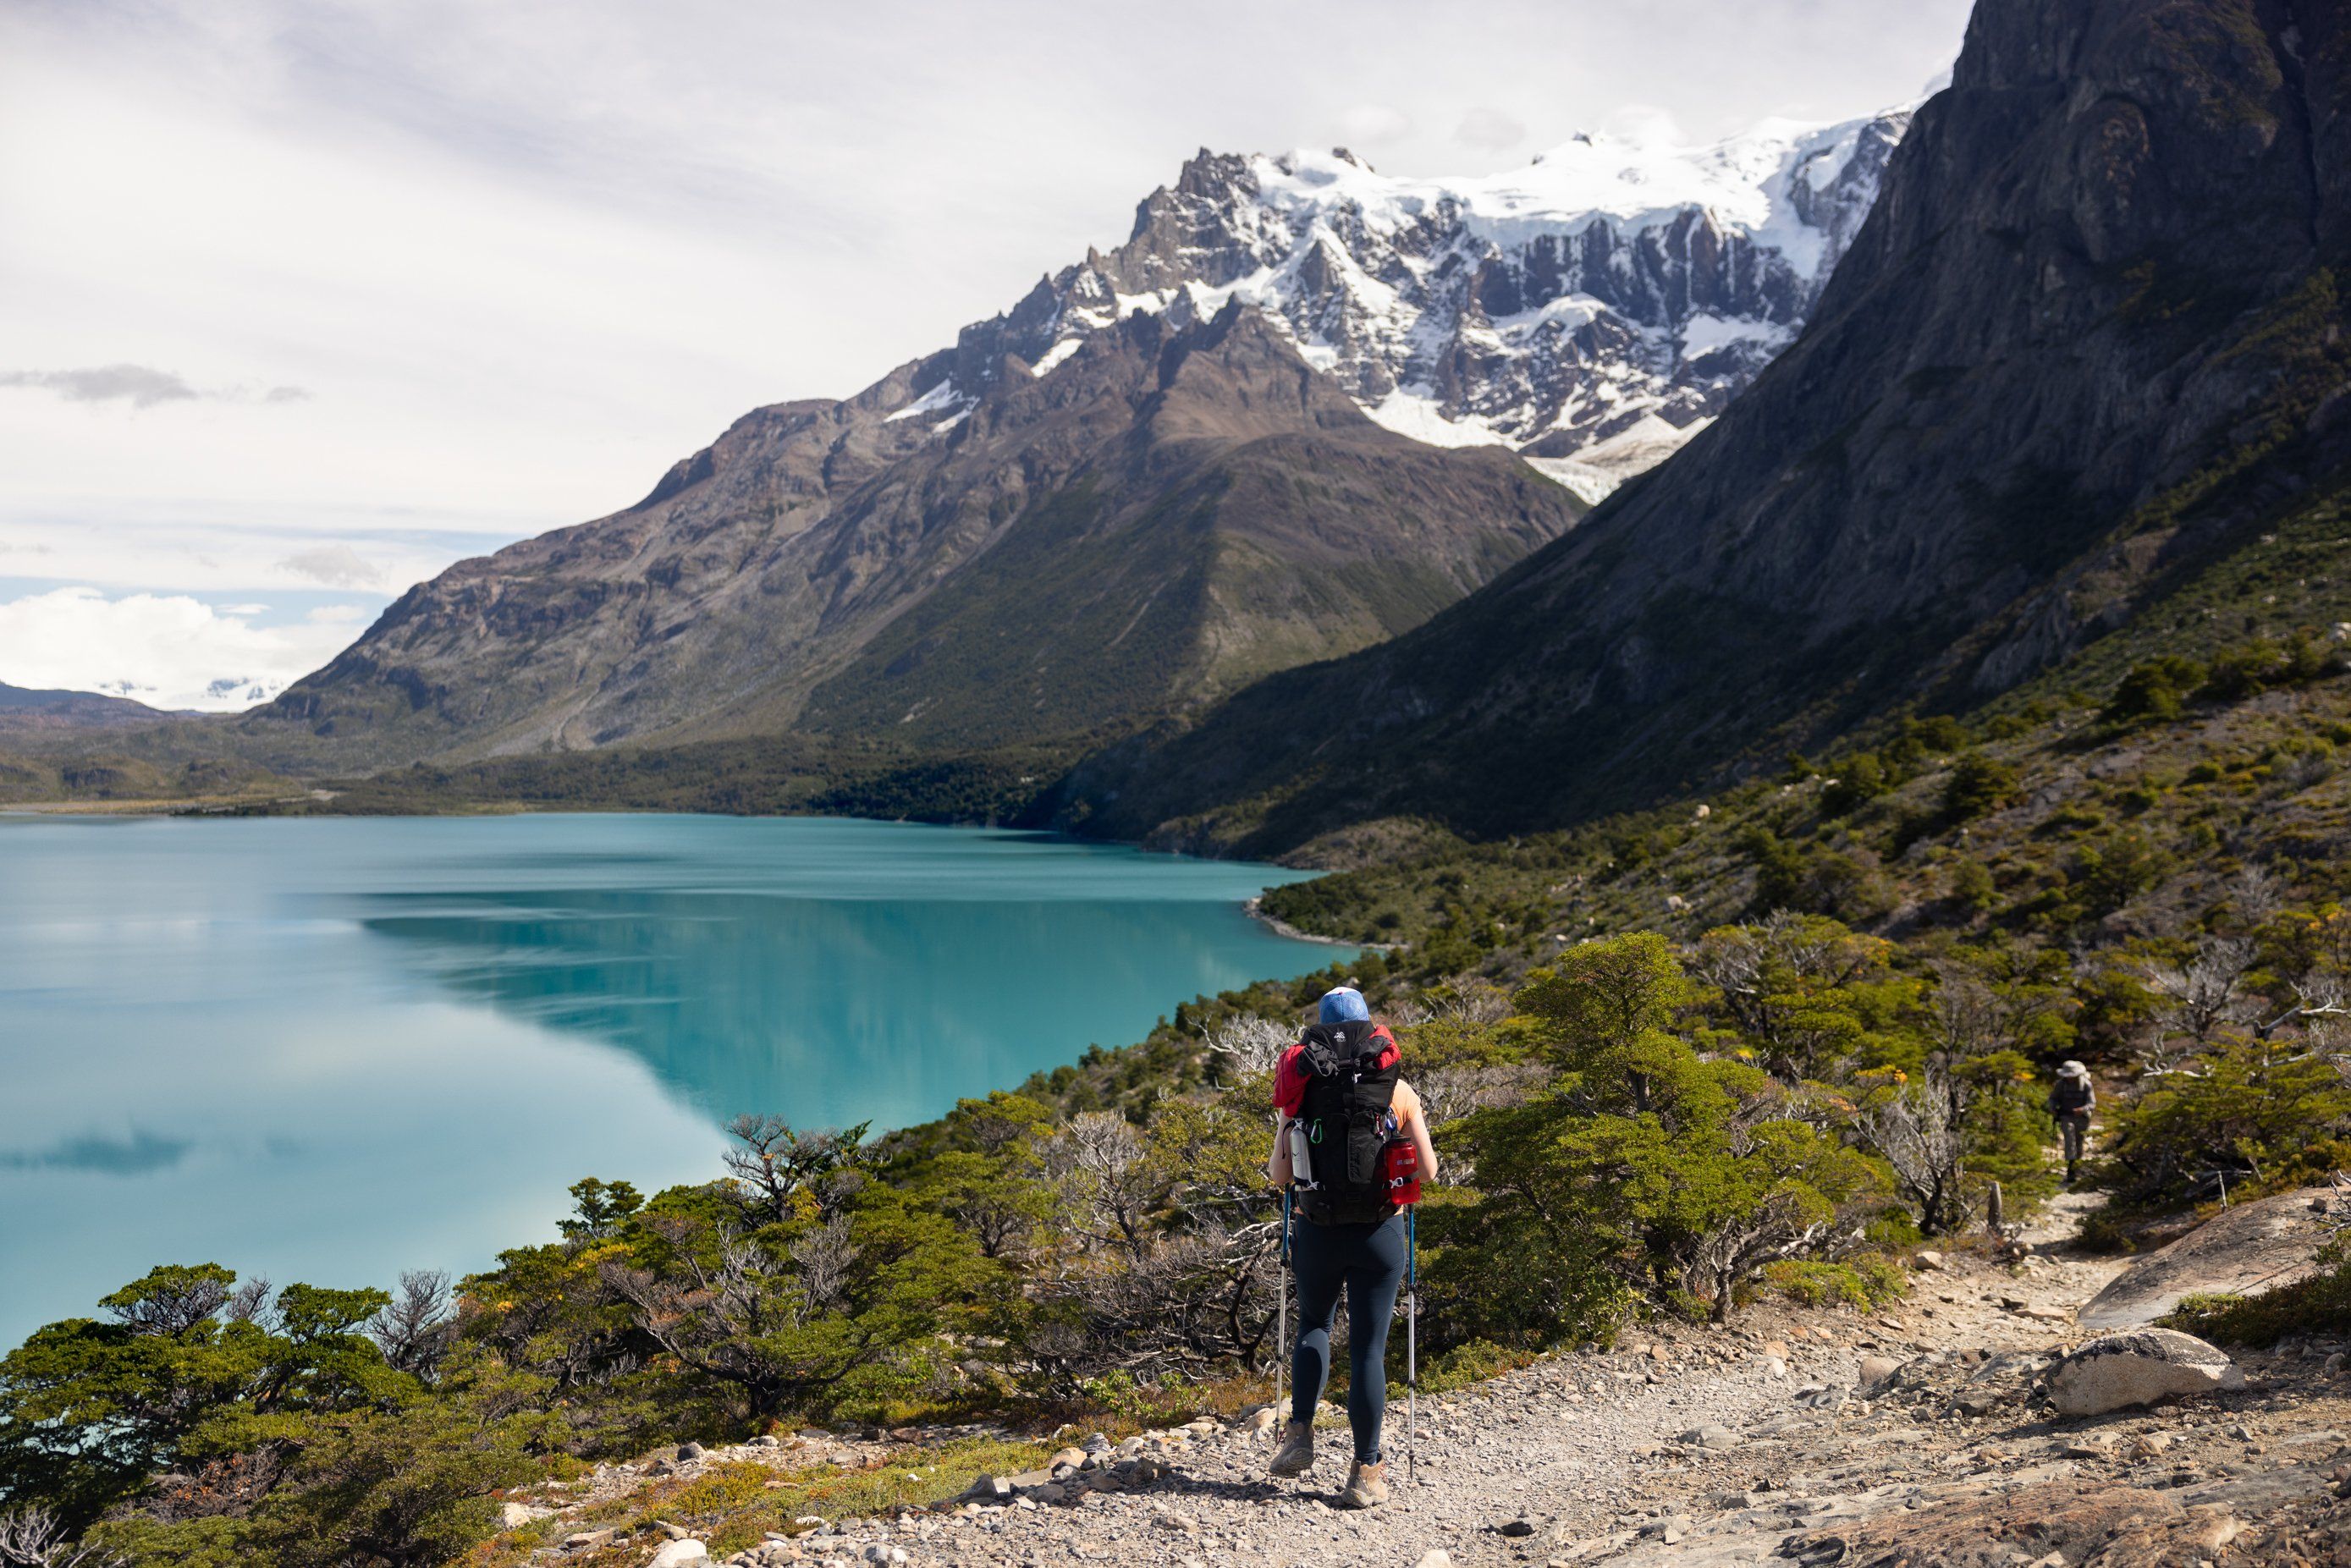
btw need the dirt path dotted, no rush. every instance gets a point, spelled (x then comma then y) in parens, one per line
(1906, 1437)
(1579, 1456)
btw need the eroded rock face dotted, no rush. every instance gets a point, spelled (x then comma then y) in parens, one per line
(2139, 1368)
(2248, 1248)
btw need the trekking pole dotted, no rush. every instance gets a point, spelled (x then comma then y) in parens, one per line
(1412, 1343)
(1281, 1334)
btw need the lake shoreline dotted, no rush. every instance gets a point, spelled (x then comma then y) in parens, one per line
(1255, 909)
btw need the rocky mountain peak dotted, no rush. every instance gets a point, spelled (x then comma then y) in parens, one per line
(1592, 309)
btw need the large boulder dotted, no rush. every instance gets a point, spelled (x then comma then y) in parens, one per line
(2138, 1367)
(2253, 1247)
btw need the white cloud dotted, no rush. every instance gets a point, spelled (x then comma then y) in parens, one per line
(1374, 124)
(1645, 125)
(1488, 129)
(169, 651)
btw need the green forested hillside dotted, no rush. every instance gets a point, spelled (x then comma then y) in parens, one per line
(1757, 1044)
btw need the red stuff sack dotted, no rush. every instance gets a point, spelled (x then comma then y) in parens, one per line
(1402, 1159)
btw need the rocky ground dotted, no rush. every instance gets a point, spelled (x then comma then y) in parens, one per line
(1913, 1436)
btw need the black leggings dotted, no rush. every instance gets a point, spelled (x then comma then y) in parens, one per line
(1367, 1260)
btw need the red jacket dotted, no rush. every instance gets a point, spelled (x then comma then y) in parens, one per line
(1290, 1072)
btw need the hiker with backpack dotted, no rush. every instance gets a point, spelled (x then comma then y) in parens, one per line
(1352, 1148)
(2071, 1101)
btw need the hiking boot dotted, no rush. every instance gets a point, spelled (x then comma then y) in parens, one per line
(1296, 1455)
(1367, 1485)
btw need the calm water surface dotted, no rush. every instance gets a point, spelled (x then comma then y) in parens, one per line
(332, 1049)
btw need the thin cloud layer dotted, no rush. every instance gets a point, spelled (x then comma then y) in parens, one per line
(141, 386)
(336, 565)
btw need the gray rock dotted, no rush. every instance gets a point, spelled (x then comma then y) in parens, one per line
(2261, 1245)
(687, 1452)
(2138, 1368)
(1711, 1436)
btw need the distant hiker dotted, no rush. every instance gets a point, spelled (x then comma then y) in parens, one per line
(2071, 1101)
(1349, 1131)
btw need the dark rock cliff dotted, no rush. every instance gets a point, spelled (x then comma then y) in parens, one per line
(2092, 325)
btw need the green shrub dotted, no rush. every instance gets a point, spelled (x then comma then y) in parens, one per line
(1865, 1282)
(1979, 785)
(1860, 779)
(2154, 689)
(2239, 1102)
(1472, 1361)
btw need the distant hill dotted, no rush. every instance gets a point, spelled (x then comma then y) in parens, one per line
(23, 711)
(2089, 345)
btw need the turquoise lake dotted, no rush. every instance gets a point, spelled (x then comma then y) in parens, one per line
(330, 1050)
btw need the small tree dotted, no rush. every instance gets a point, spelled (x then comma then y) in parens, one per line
(1954, 1121)
(782, 1169)
(1681, 1172)
(1980, 784)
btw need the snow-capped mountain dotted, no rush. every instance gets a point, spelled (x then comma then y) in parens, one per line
(1592, 309)
(1272, 428)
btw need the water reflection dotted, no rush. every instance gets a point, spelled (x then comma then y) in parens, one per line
(823, 1011)
(333, 1049)
(137, 1155)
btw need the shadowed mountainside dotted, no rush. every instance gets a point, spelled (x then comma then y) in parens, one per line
(2091, 333)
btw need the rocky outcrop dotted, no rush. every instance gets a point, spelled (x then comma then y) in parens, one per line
(1607, 292)
(2090, 330)
(2246, 1249)
(1174, 512)
(2137, 1367)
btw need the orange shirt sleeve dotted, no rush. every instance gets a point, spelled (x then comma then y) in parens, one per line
(1406, 1104)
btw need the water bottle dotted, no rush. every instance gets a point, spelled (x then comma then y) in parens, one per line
(1301, 1159)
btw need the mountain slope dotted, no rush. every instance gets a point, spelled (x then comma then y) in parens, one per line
(2091, 330)
(1177, 510)
(1151, 482)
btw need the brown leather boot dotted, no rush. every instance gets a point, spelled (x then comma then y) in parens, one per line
(1367, 1485)
(1296, 1455)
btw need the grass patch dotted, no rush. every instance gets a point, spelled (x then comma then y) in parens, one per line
(2319, 1305)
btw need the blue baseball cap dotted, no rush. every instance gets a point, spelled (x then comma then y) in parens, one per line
(1343, 1005)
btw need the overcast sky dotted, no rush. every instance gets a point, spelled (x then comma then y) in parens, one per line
(301, 300)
